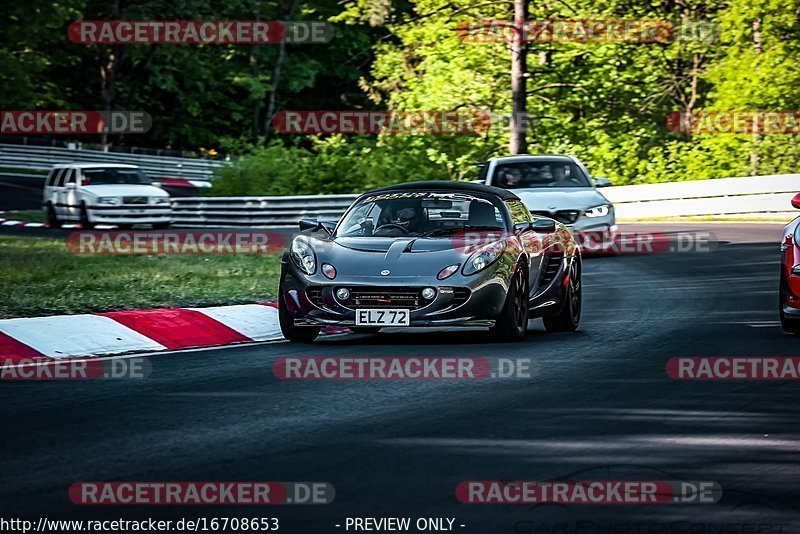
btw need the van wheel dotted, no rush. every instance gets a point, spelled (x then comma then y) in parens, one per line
(52, 218)
(86, 224)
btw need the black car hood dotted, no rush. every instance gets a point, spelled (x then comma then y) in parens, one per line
(403, 256)
(407, 244)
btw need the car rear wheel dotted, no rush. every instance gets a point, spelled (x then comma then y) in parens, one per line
(512, 324)
(569, 317)
(52, 218)
(295, 334)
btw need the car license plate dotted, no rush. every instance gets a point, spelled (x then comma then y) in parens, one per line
(387, 317)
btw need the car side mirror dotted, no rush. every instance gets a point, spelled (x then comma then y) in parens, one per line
(309, 225)
(543, 226)
(71, 186)
(312, 225)
(602, 182)
(328, 226)
(796, 201)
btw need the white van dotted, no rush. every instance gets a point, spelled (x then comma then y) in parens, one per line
(104, 193)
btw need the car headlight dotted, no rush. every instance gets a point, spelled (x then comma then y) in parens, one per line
(796, 270)
(598, 211)
(160, 201)
(484, 257)
(112, 201)
(303, 256)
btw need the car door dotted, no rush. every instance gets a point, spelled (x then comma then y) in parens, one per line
(55, 191)
(69, 193)
(531, 242)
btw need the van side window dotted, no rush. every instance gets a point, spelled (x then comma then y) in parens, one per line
(49, 180)
(58, 181)
(70, 179)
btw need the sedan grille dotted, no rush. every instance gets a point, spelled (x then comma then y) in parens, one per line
(562, 216)
(134, 200)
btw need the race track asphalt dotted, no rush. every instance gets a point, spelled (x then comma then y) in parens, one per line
(19, 191)
(598, 406)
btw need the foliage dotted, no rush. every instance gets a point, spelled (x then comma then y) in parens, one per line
(605, 102)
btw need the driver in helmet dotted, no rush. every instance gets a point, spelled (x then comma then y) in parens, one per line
(404, 213)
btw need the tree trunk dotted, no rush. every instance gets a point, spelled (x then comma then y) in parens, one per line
(276, 75)
(756, 136)
(518, 143)
(255, 72)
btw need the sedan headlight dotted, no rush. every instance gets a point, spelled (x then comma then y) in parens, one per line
(160, 201)
(112, 201)
(796, 270)
(484, 257)
(303, 256)
(598, 211)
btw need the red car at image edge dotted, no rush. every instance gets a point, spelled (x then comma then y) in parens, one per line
(790, 274)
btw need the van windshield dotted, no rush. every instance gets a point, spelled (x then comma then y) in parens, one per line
(112, 176)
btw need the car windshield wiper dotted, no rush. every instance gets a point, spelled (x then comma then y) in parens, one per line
(445, 231)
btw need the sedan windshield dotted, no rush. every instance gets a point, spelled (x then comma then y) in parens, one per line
(111, 176)
(420, 214)
(540, 173)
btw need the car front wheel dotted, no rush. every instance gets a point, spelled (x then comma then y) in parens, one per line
(789, 325)
(512, 325)
(295, 334)
(86, 224)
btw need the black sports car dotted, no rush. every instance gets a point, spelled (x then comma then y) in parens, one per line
(430, 254)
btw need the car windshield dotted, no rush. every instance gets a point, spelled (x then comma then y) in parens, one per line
(110, 176)
(420, 214)
(540, 173)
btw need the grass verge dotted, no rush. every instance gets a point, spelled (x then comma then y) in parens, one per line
(24, 215)
(38, 276)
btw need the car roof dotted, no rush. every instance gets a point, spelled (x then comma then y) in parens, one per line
(446, 185)
(532, 157)
(96, 165)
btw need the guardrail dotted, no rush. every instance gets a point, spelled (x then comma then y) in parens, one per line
(752, 196)
(43, 158)
(257, 211)
(757, 196)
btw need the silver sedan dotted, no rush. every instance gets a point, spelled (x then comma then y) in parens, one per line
(558, 187)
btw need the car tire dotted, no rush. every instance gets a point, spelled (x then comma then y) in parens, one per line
(86, 224)
(52, 218)
(293, 333)
(512, 324)
(160, 226)
(789, 325)
(569, 317)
